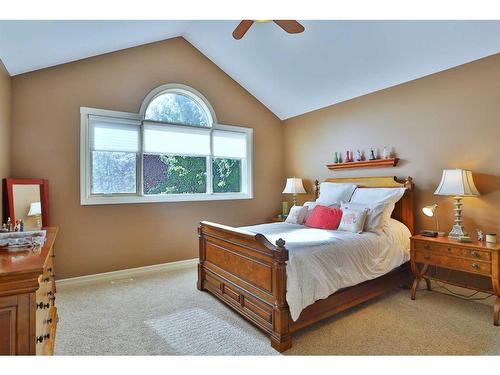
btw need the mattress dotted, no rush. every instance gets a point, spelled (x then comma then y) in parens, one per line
(324, 261)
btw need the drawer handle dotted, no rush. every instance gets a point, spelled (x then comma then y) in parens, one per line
(427, 257)
(49, 269)
(48, 321)
(475, 254)
(42, 305)
(475, 266)
(46, 280)
(41, 338)
(49, 293)
(426, 246)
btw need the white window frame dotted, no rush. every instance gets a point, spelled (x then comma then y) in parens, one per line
(87, 198)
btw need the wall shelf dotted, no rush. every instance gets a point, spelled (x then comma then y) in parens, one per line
(377, 163)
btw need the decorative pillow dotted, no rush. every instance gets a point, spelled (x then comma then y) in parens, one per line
(310, 206)
(323, 217)
(389, 196)
(353, 220)
(334, 193)
(297, 215)
(375, 218)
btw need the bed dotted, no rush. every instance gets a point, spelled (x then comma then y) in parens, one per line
(255, 272)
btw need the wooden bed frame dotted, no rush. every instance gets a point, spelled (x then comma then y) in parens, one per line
(248, 273)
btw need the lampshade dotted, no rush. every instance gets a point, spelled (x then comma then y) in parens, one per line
(429, 210)
(457, 182)
(294, 186)
(35, 209)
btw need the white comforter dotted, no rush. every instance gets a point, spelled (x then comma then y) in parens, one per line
(324, 261)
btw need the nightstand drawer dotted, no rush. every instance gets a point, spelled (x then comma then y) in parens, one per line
(453, 250)
(460, 264)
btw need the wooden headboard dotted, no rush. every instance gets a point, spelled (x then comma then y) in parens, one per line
(403, 211)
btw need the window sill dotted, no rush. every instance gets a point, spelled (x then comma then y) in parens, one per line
(98, 200)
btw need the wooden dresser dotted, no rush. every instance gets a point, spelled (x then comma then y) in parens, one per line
(477, 258)
(28, 315)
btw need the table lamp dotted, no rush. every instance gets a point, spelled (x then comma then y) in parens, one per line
(457, 183)
(36, 210)
(294, 186)
(432, 211)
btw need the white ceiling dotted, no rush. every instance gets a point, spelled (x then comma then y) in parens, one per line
(332, 61)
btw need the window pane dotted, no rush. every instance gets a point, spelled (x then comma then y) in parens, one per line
(113, 172)
(176, 108)
(165, 174)
(226, 175)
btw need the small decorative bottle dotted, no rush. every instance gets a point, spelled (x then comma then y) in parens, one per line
(358, 155)
(9, 224)
(385, 153)
(336, 158)
(372, 154)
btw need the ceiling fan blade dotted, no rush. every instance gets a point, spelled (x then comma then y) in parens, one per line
(290, 26)
(242, 28)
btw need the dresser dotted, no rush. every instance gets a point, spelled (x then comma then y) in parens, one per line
(28, 313)
(477, 258)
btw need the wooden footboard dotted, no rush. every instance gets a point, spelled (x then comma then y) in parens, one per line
(248, 273)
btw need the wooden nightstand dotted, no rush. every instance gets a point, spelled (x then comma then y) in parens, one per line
(476, 258)
(277, 219)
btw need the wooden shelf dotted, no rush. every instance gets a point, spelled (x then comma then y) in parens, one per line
(377, 163)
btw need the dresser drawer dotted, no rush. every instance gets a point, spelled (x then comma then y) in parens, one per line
(258, 310)
(453, 250)
(461, 264)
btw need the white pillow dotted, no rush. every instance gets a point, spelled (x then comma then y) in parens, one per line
(375, 218)
(334, 193)
(297, 215)
(375, 195)
(389, 196)
(310, 206)
(353, 220)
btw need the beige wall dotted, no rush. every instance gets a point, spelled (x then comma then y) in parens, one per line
(46, 124)
(446, 120)
(5, 124)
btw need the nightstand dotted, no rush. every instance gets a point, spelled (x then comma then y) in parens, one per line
(277, 219)
(475, 258)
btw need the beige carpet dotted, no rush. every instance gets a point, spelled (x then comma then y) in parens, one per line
(164, 314)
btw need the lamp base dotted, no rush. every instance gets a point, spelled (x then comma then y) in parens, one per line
(457, 231)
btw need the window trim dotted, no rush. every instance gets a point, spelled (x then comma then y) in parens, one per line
(86, 198)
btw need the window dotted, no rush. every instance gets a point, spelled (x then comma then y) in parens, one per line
(172, 150)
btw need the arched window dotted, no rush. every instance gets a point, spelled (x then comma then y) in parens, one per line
(172, 150)
(177, 108)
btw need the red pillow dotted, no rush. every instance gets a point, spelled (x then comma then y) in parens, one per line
(323, 217)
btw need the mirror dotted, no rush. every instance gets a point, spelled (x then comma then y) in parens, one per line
(26, 200)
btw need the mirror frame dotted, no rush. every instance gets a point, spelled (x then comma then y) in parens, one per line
(8, 197)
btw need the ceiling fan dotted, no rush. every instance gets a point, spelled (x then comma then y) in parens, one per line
(290, 26)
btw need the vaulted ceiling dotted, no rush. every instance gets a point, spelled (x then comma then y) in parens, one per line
(332, 61)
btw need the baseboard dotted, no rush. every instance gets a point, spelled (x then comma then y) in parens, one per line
(127, 273)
